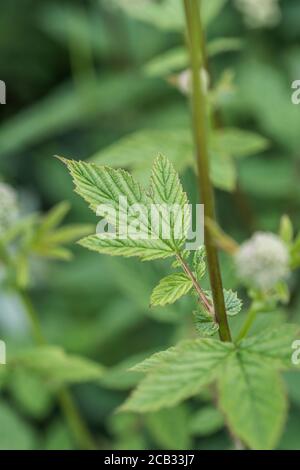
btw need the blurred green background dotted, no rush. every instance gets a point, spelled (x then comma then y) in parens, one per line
(80, 76)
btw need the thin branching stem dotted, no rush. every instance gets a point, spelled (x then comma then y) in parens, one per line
(195, 38)
(201, 294)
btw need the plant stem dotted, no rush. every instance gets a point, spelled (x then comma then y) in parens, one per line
(202, 297)
(250, 318)
(32, 317)
(195, 43)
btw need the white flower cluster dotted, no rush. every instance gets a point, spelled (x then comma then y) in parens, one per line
(259, 13)
(262, 261)
(8, 206)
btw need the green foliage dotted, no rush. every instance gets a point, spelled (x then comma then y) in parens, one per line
(253, 400)
(169, 428)
(15, 433)
(253, 411)
(56, 367)
(170, 289)
(238, 143)
(233, 304)
(30, 393)
(103, 80)
(102, 188)
(176, 59)
(178, 373)
(199, 263)
(205, 323)
(169, 14)
(208, 420)
(136, 152)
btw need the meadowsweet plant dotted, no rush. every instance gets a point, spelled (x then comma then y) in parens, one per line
(240, 366)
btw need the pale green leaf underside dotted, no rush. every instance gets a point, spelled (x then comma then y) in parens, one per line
(232, 303)
(170, 289)
(252, 397)
(177, 374)
(205, 323)
(145, 249)
(273, 346)
(56, 367)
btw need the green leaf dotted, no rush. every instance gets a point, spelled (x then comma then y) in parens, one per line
(15, 434)
(233, 304)
(53, 252)
(137, 150)
(273, 346)
(170, 61)
(199, 264)
(220, 45)
(105, 189)
(205, 323)
(56, 367)
(252, 397)
(101, 185)
(206, 421)
(68, 234)
(286, 229)
(178, 373)
(58, 437)
(177, 58)
(295, 253)
(170, 289)
(167, 15)
(169, 428)
(118, 378)
(211, 9)
(223, 171)
(30, 393)
(147, 250)
(166, 192)
(238, 143)
(54, 217)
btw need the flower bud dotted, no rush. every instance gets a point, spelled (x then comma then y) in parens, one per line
(262, 261)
